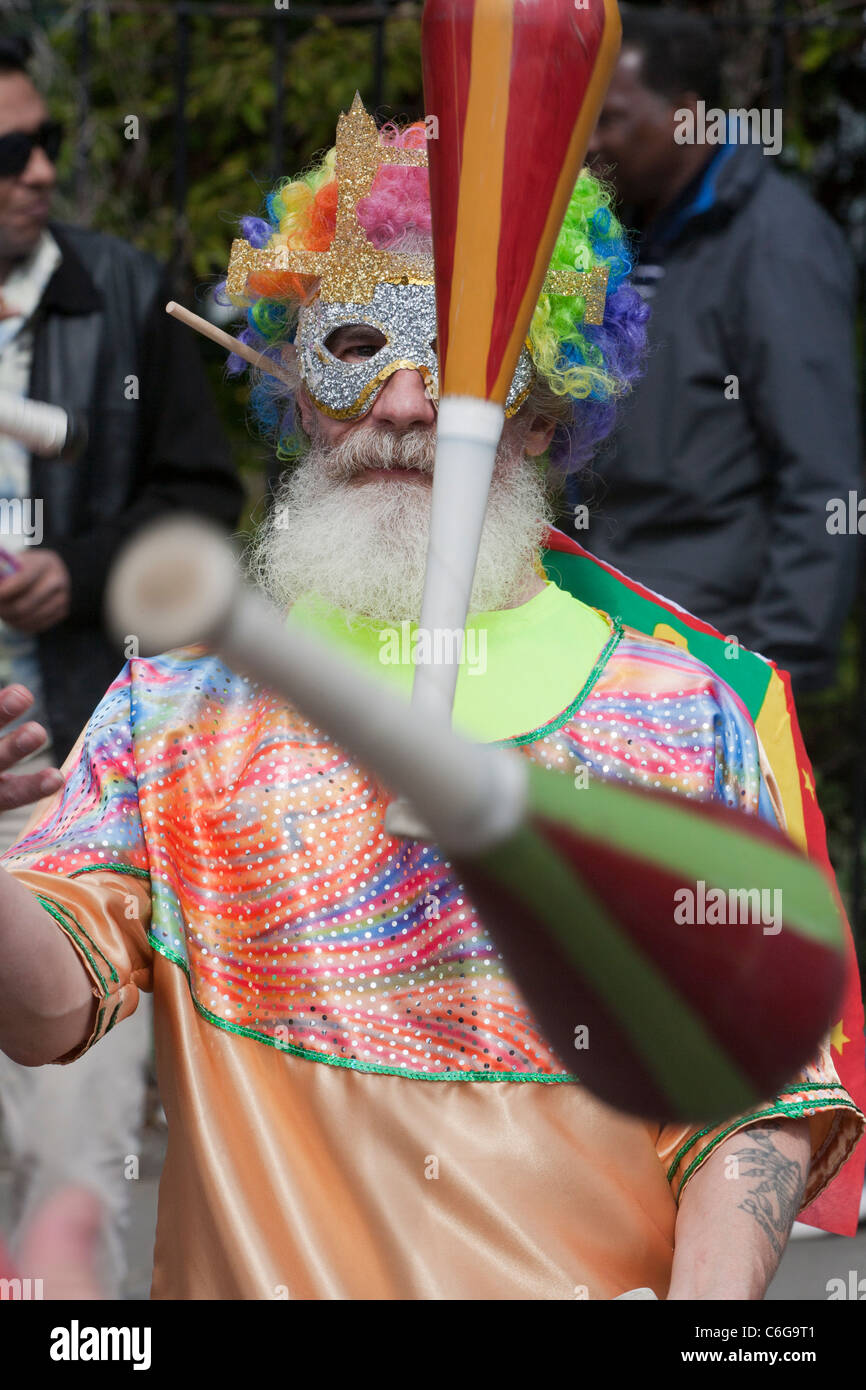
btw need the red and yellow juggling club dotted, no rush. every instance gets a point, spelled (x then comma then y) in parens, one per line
(516, 87)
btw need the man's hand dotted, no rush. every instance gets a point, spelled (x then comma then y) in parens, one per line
(21, 789)
(47, 1004)
(62, 1242)
(36, 596)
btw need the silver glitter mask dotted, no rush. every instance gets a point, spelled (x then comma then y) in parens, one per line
(405, 315)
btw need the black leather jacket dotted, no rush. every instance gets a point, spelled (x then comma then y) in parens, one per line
(105, 348)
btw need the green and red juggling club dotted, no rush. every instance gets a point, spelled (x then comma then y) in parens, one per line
(704, 953)
(515, 87)
(582, 889)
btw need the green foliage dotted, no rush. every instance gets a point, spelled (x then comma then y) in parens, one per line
(818, 47)
(230, 127)
(230, 117)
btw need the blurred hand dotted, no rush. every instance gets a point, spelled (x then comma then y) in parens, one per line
(21, 789)
(61, 1245)
(36, 597)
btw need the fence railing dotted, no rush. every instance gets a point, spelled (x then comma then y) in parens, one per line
(277, 20)
(283, 19)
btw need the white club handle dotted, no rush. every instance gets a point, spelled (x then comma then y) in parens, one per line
(42, 428)
(467, 437)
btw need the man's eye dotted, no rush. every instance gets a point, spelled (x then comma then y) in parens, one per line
(360, 350)
(348, 349)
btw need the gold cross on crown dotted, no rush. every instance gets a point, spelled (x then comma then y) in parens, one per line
(352, 268)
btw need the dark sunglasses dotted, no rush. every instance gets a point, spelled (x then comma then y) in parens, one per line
(17, 147)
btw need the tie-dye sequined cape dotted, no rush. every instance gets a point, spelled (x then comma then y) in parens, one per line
(277, 890)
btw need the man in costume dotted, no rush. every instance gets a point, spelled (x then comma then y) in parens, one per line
(338, 1040)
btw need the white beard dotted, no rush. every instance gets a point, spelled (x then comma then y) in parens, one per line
(362, 546)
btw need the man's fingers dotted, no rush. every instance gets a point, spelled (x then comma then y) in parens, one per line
(22, 608)
(63, 1239)
(20, 743)
(27, 787)
(37, 619)
(14, 700)
(16, 584)
(19, 616)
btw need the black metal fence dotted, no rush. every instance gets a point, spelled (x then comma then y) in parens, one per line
(278, 22)
(283, 19)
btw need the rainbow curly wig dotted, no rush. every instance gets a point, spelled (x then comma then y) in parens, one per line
(583, 369)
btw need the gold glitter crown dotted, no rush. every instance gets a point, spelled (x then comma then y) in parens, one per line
(352, 267)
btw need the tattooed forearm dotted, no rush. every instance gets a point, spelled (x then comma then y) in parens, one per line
(773, 1198)
(730, 1235)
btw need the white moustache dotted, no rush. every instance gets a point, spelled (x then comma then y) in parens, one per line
(361, 450)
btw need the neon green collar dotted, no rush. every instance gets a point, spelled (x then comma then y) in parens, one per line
(521, 666)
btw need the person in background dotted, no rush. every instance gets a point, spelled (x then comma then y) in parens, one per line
(82, 325)
(715, 491)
